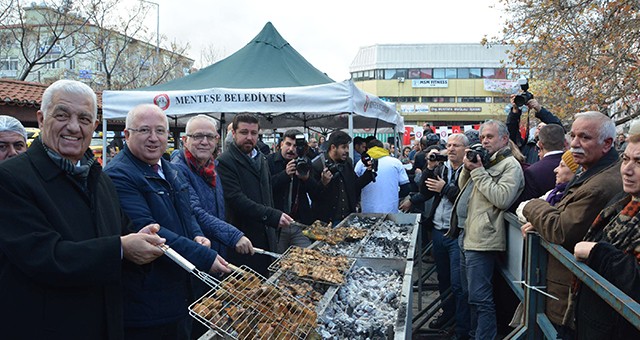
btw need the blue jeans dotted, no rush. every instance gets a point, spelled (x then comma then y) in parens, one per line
(446, 254)
(479, 273)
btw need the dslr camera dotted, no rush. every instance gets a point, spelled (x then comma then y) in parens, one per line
(332, 166)
(524, 97)
(436, 157)
(302, 163)
(478, 150)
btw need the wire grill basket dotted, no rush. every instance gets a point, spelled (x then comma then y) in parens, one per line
(313, 265)
(245, 306)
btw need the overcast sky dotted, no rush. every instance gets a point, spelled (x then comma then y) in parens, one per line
(327, 33)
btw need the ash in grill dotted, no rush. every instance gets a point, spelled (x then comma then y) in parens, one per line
(388, 240)
(366, 307)
(365, 222)
(343, 248)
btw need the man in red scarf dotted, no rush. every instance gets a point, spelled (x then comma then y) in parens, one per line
(197, 165)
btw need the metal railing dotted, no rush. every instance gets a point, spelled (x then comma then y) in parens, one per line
(528, 284)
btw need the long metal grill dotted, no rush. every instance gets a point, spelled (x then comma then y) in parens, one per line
(245, 306)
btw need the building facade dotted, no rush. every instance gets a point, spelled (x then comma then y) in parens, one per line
(48, 44)
(443, 84)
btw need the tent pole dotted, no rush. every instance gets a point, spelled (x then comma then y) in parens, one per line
(223, 131)
(375, 130)
(104, 142)
(351, 134)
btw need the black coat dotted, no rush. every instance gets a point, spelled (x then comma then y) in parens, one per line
(538, 179)
(325, 199)
(281, 183)
(249, 204)
(60, 253)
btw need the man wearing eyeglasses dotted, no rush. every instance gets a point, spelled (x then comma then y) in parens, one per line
(197, 165)
(154, 191)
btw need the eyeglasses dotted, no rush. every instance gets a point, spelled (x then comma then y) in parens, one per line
(200, 136)
(147, 131)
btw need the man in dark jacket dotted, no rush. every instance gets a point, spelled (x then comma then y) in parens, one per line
(566, 223)
(528, 145)
(291, 188)
(340, 191)
(247, 193)
(197, 165)
(539, 177)
(153, 191)
(61, 243)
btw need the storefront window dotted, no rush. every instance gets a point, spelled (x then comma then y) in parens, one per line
(438, 73)
(475, 73)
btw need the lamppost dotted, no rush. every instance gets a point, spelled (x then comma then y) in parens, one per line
(157, 28)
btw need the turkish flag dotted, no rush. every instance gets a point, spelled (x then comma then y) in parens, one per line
(455, 129)
(406, 137)
(476, 127)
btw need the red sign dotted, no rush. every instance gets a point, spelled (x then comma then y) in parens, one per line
(455, 129)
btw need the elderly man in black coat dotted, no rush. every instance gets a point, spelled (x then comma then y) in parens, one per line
(61, 249)
(246, 180)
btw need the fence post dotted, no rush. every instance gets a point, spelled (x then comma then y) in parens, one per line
(535, 276)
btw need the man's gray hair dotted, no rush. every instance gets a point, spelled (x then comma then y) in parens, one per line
(70, 87)
(607, 126)
(503, 131)
(10, 124)
(140, 108)
(461, 137)
(202, 117)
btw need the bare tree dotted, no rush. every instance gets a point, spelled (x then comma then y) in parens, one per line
(44, 33)
(210, 54)
(583, 54)
(125, 48)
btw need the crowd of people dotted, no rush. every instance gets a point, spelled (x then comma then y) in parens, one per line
(79, 246)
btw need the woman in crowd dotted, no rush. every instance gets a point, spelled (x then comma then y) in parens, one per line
(564, 173)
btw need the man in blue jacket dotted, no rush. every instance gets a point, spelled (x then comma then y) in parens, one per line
(153, 191)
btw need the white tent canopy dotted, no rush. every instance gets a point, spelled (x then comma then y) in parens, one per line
(284, 105)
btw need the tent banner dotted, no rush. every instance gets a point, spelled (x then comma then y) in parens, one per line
(342, 97)
(332, 97)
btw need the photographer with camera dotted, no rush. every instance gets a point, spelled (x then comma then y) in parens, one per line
(340, 187)
(490, 182)
(523, 103)
(390, 180)
(290, 182)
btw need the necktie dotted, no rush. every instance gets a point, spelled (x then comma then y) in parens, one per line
(155, 168)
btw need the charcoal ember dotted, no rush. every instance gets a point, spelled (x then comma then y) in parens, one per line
(366, 307)
(388, 240)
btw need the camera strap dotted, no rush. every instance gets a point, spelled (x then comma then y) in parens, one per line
(502, 154)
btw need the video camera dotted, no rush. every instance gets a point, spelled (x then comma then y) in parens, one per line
(302, 163)
(478, 150)
(523, 98)
(436, 157)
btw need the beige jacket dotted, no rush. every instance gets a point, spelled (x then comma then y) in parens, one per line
(494, 190)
